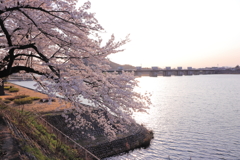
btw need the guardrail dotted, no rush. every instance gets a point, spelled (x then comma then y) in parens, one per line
(20, 77)
(83, 152)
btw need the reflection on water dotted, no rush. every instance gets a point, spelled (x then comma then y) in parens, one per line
(191, 116)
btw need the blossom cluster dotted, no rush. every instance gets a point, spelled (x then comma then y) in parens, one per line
(59, 42)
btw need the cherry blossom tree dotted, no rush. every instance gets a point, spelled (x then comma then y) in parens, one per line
(61, 43)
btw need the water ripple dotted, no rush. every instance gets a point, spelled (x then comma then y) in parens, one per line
(195, 117)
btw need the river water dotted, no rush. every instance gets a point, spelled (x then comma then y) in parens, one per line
(195, 117)
(192, 117)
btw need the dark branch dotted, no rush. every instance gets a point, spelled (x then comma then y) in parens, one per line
(8, 36)
(27, 55)
(16, 69)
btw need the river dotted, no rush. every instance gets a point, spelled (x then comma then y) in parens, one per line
(192, 117)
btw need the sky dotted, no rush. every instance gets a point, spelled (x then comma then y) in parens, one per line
(176, 33)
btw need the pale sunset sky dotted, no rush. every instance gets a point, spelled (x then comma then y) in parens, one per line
(196, 33)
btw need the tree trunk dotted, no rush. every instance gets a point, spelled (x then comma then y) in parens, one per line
(2, 89)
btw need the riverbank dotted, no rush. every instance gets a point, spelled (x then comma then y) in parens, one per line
(136, 137)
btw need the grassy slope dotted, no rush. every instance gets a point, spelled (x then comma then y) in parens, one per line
(44, 145)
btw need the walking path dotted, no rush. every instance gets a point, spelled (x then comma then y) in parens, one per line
(35, 106)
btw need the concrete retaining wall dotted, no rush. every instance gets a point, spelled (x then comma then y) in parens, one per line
(140, 139)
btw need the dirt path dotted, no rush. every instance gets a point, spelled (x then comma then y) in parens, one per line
(35, 106)
(8, 147)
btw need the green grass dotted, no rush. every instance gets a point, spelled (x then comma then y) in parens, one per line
(35, 98)
(36, 152)
(50, 141)
(21, 96)
(27, 122)
(21, 101)
(7, 87)
(13, 89)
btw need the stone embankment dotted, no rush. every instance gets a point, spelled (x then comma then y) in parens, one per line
(136, 137)
(141, 139)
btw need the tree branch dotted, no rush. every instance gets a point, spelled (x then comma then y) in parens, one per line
(8, 36)
(27, 55)
(16, 69)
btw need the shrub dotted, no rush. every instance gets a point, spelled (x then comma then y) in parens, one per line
(7, 101)
(10, 98)
(26, 100)
(21, 96)
(13, 90)
(7, 87)
(35, 98)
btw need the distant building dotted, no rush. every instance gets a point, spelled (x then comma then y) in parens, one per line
(168, 68)
(189, 68)
(221, 68)
(154, 68)
(179, 68)
(138, 68)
